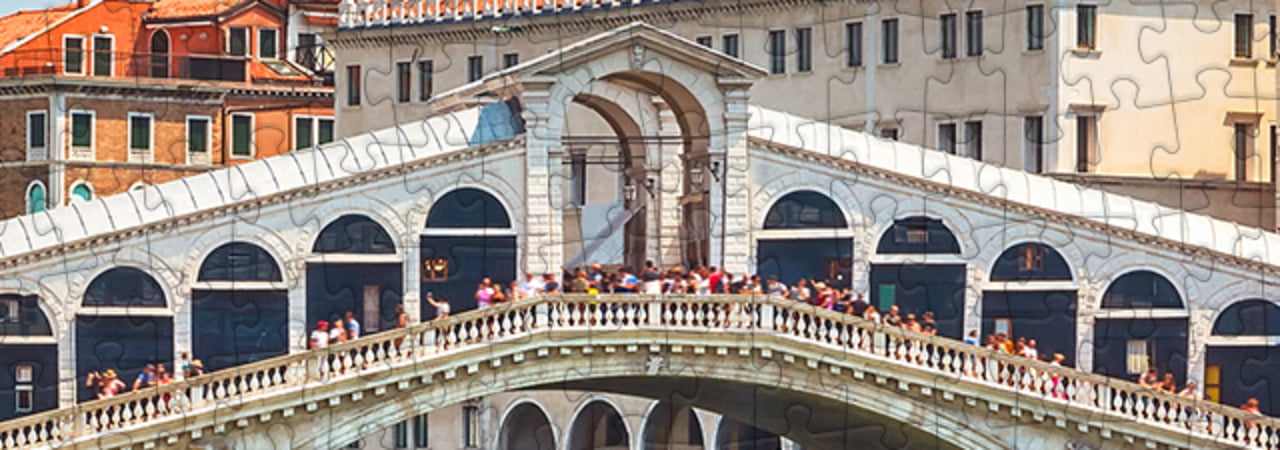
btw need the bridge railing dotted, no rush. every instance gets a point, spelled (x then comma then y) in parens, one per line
(225, 389)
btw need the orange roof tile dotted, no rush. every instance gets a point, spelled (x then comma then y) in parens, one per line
(21, 24)
(258, 71)
(174, 9)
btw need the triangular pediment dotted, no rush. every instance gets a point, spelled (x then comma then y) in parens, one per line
(643, 41)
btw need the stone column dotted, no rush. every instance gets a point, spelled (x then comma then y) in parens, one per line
(974, 281)
(1199, 328)
(1086, 305)
(732, 204)
(298, 325)
(412, 273)
(670, 188)
(863, 248)
(543, 249)
(182, 323)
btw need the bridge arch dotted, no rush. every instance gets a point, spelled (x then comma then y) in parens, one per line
(1241, 361)
(524, 420)
(597, 423)
(662, 427)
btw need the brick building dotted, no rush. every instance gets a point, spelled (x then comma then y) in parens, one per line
(99, 97)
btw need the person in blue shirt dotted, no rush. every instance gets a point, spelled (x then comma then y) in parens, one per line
(626, 282)
(972, 339)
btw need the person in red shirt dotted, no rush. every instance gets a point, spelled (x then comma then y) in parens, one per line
(1251, 406)
(714, 280)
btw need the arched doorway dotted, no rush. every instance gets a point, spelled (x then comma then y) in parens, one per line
(735, 435)
(160, 54)
(1241, 361)
(124, 324)
(670, 428)
(598, 426)
(527, 427)
(468, 237)
(240, 312)
(1031, 296)
(1143, 323)
(805, 236)
(926, 283)
(354, 268)
(28, 358)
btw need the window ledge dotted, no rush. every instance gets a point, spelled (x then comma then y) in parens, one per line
(240, 157)
(805, 74)
(1243, 62)
(854, 68)
(1038, 51)
(891, 65)
(1086, 53)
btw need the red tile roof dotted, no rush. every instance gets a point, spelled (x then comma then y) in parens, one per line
(173, 9)
(21, 24)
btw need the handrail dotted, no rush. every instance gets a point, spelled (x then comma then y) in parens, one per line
(743, 313)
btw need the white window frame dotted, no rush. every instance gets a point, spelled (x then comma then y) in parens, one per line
(71, 197)
(1234, 29)
(12, 308)
(1097, 16)
(955, 138)
(770, 51)
(26, 196)
(963, 132)
(18, 393)
(1033, 157)
(83, 42)
(1026, 43)
(28, 377)
(91, 153)
(409, 90)
(862, 44)
(31, 151)
(479, 76)
(136, 155)
(111, 68)
(804, 50)
(231, 136)
(257, 48)
(208, 138)
(1095, 148)
(737, 44)
(248, 44)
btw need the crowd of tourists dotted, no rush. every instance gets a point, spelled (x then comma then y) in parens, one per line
(107, 384)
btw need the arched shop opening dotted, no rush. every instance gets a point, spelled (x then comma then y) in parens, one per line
(240, 309)
(354, 268)
(671, 427)
(735, 435)
(1242, 360)
(1032, 295)
(28, 358)
(805, 236)
(1142, 323)
(124, 324)
(598, 426)
(920, 283)
(527, 427)
(468, 237)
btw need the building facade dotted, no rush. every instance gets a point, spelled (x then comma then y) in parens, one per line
(104, 96)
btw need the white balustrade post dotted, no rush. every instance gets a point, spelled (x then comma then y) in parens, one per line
(766, 316)
(541, 316)
(654, 307)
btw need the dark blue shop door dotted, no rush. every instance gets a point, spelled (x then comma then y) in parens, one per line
(43, 361)
(813, 259)
(126, 344)
(335, 288)
(1246, 372)
(917, 288)
(1049, 317)
(468, 259)
(1167, 337)
(229, 328)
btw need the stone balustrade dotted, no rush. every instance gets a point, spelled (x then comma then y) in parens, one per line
(377, 13)
(421, 346)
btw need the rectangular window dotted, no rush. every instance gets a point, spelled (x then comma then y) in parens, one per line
(889, 41)
(916, 233)
(306, 53)
(777, 52)
(948, 32)
(1213, 382)
(420, 431)
(1086, 143)
(704, 41)
(103, 59)
(510, 60)
(24, 398)
(578, 175)
(1087, 26)
(973, 139)
(471, 426)
(73, 55)
(23, 373)
(1244, 36)
(353, 86)
(1033, 137)
(1271, 37)
(730, 43)
(853, 44)
(404, 81)
(475, 68)
(241, 135)
(426, 71)
(1004, 326)
(303, 130)
(238, 41)
(1241, 141)
(1136, 357)
(139, 132)
(889, 133)
(324, 131)
(804, 49)
(1031, 259)
(402, 435)
(37, 131)
(268, 43)
(81, 129)
(947, 137)
(198, 134)
(973, 33)
(1274, 160)
(1035, 27)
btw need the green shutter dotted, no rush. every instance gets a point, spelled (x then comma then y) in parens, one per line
(241, 135)
(81, 130)
(326, 131)
(197, 135)
(886, 296)
(301, 133)
(73, 55)
(35, 131)
(82, 192)
(140, 133)
(102, 57)
(37, 200)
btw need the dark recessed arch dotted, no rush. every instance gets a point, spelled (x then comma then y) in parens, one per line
(1253, 317)
(124, 286)
(527, 427)
(239, 261)
(1142, 289)
(667, 426)
(468, 208)
(598, 425)
(918, 234)
(31, 320)
(804, 209)
(354, 233)
(1031, 261)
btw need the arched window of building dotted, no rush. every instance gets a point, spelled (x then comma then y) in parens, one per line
(160, 54)
(1255, 317)
(468, 208)
(239, 261)
(804, 209)
(354, 233)
(918, 234)
(1031, 261)
(37, 198)
(82, 191)
(1141, 289)
(124, 286)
